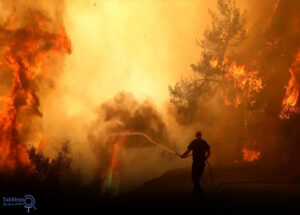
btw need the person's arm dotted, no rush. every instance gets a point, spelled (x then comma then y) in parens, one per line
(185, 154)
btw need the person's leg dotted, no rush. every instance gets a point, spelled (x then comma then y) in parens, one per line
(196, 184)
(196, 180)
(201, 192)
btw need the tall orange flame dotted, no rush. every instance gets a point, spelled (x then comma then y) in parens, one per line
(25, 52)
(290, 103)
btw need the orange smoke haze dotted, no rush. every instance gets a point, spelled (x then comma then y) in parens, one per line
(138, 47)
(135, 46)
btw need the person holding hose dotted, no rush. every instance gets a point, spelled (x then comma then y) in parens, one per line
(201, 152)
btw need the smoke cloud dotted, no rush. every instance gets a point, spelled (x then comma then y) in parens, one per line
(122, 116)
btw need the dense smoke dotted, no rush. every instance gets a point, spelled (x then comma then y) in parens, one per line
(125, 116)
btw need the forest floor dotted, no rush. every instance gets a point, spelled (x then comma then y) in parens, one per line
(242, 189)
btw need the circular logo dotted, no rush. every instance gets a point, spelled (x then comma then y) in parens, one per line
(29, 202)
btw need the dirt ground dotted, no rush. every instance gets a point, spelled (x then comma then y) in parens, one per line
(242, 189)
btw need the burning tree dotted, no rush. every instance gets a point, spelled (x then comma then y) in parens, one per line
(216, 72)
(28, 45)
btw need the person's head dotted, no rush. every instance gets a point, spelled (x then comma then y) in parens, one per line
(198, 134)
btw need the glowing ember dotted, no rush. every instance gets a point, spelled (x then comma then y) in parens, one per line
(24, 53)
(250, 155)
(290, 103)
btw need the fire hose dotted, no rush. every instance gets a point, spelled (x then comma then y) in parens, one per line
(214, 186)
(211, 175)
(209, 170)
(165, 149)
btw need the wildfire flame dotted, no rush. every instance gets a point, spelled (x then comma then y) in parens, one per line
(290, 103)
(247, 82)
(250, 155)
(25, 53)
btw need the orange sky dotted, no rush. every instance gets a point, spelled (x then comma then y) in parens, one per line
(139, 46)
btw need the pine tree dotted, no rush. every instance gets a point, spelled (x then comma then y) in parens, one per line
(227, 31)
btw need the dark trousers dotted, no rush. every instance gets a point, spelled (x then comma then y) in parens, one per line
(197, 172)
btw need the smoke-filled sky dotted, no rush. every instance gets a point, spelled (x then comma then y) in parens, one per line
(140, 46)
(137, 46)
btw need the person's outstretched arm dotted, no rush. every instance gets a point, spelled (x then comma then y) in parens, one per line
(186, 154)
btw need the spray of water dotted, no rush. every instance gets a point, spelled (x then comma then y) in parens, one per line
(111, 178)
(147, 137)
